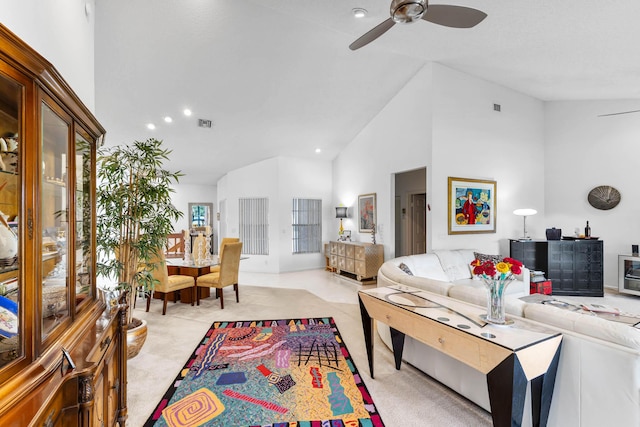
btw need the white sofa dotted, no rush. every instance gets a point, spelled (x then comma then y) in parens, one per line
(598, 378)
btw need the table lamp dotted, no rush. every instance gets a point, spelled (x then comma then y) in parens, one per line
(524, 213)
(341, 212)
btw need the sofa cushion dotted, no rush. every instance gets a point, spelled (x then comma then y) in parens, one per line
(516, 287)
(585, 324)
(432, 285)
(484, 257)
(424, 265)
(476, 294)
(455, 263)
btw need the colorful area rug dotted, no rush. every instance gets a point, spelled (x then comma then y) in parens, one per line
(275, 373)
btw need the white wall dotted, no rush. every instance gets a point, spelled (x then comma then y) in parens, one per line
(397, 139)
(278, 179)
(444, 119)
(62, 33)
(187, 193)
(307, 179)
(471, 140)
(584, 151)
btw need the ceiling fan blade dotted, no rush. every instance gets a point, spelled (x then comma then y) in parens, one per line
(453, 16)
(372, 34)
(617, 114)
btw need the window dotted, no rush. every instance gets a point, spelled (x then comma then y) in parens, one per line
(306, 226)
(254, 226)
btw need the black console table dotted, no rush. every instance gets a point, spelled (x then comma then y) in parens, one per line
(575, 267)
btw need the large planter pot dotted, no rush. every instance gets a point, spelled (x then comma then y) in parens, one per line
(135, 339)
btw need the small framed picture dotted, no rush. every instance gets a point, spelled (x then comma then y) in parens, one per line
(346, 235)
(366, 212)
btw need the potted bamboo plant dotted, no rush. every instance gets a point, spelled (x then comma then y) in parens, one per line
(135, 215)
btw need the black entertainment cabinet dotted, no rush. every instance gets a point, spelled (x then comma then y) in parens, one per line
(575, 267)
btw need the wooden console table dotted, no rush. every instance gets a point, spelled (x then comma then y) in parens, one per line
(510, 356)
(357, 259)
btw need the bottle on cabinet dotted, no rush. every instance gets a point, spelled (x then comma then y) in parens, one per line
(587, 231)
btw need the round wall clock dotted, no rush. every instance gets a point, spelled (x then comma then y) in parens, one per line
(604, 197)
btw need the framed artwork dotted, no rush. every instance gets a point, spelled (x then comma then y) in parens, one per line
(366, 212)
(471, 206)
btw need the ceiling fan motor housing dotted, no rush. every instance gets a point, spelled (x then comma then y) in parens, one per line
(405, 11)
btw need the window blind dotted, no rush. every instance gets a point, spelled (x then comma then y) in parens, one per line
(254, 225)
(306, 226)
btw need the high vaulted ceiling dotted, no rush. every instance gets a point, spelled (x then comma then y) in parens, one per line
(276, 77)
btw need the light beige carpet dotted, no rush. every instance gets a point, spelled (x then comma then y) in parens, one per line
(404, 398)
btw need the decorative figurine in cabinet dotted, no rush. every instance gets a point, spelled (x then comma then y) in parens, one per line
(62, 350)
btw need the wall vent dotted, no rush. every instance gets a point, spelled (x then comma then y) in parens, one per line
(204, 123)
(496, 107)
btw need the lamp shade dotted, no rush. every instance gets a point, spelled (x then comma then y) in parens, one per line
(341, 212)
(525, 212)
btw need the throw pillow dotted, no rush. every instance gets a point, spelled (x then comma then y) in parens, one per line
(484, 257)
(405, 268)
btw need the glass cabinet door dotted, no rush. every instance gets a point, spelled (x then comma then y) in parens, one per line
(11, 315)
(54, 213)
(84, 216)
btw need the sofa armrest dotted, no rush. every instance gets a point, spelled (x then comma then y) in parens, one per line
(525, 277)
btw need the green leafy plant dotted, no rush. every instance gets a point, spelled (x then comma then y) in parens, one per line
(135, 214)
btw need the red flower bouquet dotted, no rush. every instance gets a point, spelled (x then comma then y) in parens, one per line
(496, 277)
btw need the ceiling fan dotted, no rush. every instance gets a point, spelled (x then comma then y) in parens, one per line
(618, 113)
(407, 11)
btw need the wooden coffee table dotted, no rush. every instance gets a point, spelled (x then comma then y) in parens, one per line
(510, 356)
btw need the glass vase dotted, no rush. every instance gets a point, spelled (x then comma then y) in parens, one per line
(495, 301)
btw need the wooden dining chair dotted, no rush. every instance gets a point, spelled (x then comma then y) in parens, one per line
(225, 240)
(227, 276)
(166, 284)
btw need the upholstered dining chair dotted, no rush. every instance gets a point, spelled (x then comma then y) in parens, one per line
(225, 240)
(227, 276)
(167, 284)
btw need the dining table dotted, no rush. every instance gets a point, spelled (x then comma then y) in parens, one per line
(193, 269)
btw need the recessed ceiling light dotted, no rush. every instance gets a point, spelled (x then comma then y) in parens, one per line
(187, 112)
(359, 12)
(168, 119)
(151, 126)
(318, 150)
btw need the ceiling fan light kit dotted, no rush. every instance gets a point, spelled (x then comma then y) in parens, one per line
(403, 11)
(407, 11)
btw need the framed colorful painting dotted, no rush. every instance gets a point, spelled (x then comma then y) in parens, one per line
(366, 212)
(472, 206)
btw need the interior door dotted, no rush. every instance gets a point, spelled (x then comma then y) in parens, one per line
(418, 223)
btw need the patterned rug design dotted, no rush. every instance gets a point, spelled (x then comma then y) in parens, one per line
(275, 373)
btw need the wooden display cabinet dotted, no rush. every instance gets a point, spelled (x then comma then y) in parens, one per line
(62, 350)
(358, 260)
